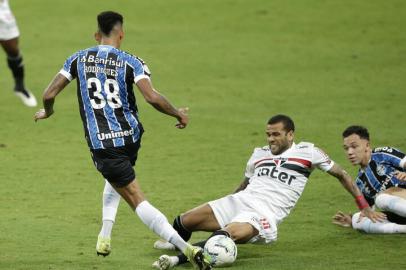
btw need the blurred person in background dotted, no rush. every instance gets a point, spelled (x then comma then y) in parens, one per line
(9, 34)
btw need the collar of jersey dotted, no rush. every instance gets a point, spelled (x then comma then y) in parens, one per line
(109, 46)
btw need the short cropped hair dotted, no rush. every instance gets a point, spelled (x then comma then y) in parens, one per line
(288, 124)
(107, 20)
(361, 131)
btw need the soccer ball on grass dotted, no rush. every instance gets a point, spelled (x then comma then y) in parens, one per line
(221, 249)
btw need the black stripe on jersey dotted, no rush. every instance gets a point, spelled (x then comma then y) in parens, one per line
(129, 72)
(389, 150)
(143, 66)
(74, 71)
(370, 201)
(74, 68)
(101, 120)
(379, 178)
(367, 185)
(85, 121)
(118, 112)
(305, 172)
(265, 165)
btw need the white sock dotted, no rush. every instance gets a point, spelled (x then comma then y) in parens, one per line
(174, 260)
(391, 203)
(105, 231)
(158, 223)
(111, 200)
(368, 226)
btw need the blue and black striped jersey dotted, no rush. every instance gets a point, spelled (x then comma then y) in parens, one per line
(105, 79)
(379, 174)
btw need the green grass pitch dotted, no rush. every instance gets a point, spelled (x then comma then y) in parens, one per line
(235, 63)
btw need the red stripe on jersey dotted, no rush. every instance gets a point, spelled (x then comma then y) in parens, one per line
(304, 162)
(265, 223)
(262, 160)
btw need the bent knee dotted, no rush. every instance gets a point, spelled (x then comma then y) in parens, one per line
(200, 218)
(357, 221)
(241, 232)
(382, 200)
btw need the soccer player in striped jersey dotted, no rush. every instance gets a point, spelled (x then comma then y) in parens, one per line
(9, 38)
(275, 178)
(105, 77)
(381, 177)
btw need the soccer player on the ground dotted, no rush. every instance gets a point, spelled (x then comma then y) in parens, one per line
(393, 223)
(275, 178)
(9, 34)
(381, 177)
(105, 77)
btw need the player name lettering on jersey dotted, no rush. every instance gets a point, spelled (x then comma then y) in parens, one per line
(107, 103)
(115, 134)
(97, 60)
(96, 69)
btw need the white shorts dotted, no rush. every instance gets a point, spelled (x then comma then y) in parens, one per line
(8, 26)
(232, 208)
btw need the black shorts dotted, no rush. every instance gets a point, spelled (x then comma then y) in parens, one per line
(395, 218)
(116, 163)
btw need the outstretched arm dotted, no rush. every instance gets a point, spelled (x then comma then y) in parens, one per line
(53, 89)
(343, 220)
(243, 185)
(364, 224)
(346, 180)
(160, 103)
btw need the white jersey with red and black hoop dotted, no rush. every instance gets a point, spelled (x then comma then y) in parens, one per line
(276, 182)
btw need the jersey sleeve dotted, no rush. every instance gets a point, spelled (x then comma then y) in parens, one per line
(390, 155)
(403, 163)
(69, 69)
(250, 168)
(141, 70)
(321, 160)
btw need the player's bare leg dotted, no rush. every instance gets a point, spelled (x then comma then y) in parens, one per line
(393, 200)
(200, 218)
(241, 232)
(15, 63)
(10, 47)
(158, 223)
(132, 194)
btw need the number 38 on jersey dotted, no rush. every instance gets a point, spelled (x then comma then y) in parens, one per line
(100, 95)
